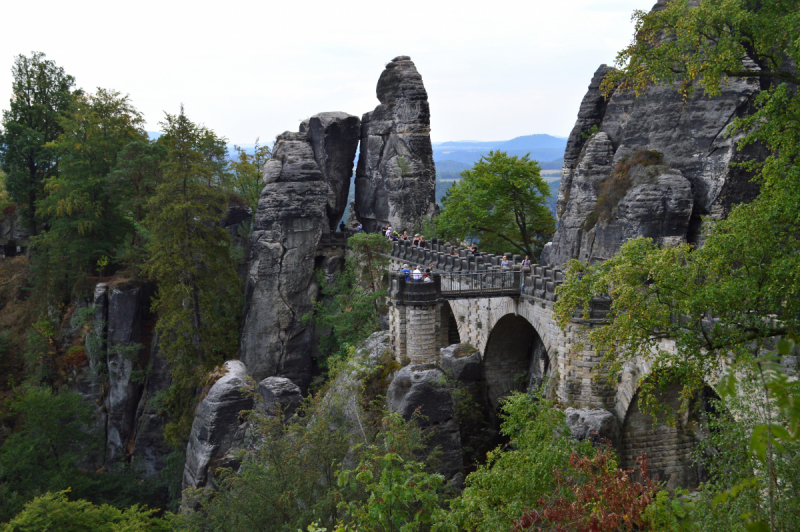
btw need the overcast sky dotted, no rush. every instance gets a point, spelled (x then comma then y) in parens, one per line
(494, 70)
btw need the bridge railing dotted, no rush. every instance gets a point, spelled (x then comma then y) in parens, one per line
(467, 271)
(480, 284)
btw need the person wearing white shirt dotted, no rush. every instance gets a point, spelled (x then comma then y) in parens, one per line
(416, 275)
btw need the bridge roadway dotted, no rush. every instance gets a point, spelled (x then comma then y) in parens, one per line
(507, 315)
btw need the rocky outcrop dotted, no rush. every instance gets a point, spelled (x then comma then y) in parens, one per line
(461, 365)
(420, 389)
(149, 447)
(122, 337)
(334, 140)
(217, 424)
(695, 176)
(396, 176)
(593, 423)
(280, 395)
(305, 176)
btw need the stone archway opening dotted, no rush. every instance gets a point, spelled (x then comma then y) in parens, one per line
(513, 360)
(669, 445)
(449, 326)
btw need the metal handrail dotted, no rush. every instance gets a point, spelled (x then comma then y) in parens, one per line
(492, 282)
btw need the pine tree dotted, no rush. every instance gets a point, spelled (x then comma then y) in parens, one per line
(41, 92)
(199, 293)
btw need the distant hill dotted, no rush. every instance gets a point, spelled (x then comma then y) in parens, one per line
(546, 149)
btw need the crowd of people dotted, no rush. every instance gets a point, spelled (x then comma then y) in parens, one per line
(418, 275)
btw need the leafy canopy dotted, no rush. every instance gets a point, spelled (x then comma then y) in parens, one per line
(41, 91)
(54, 511)
(199, 293)
(84, 222)
(246, 171)
(502, 202)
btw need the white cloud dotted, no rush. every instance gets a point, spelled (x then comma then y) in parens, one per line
(493, 70)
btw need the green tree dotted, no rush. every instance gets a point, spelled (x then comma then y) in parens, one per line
(41, 92)
(199, 293)
(133, 182)
(503, 202)
(135, 177)
(515, 479)
(54, 511)
(246, 177)
(353, 299)
(84, 222)
(403, 496)
(55, 433)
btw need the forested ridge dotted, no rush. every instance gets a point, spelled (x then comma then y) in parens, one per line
(89, 200)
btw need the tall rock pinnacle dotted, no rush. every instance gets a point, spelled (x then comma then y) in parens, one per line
(306, 186)
(396, 176)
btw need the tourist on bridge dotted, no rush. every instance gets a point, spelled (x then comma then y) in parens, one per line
(415, 242)
(427, 278)
(527, 262)
(417, 275)
(407, 272)
(505, 265)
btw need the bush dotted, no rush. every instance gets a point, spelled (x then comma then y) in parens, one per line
(515, 478)
(54, 511)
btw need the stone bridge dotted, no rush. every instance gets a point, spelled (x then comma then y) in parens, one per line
(512, 326)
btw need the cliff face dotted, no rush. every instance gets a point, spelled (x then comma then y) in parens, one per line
(306, 187)
(396, 176)
(651, 165)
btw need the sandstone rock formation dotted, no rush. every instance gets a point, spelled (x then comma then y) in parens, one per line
(149, 446)
(216, 424)
(460, 366)
(694, 175)
(334, 139)
(593, 423)
(396, 176)
(420, 388)
(304, 184)
(123, 336)
(280, 395)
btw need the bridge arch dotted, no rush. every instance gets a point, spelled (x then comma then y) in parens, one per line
(514, 358)
(448, 326)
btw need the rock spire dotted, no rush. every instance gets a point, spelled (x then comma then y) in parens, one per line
(396, 176)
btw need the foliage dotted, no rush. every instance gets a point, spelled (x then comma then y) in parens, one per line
(55, 433)
(84, 223)
(515, 479)
(402, 494)
(749, 453)
(246, 176)
(41, 92)
(54, 511)
(199, 294)
(353, 299)
(593, 495)
(706, 42)
(289, 480)
(503, 202)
